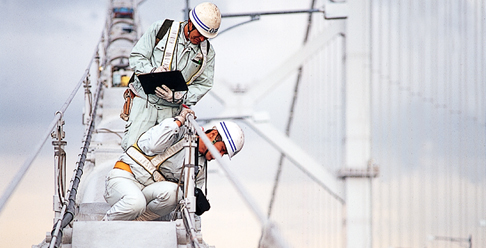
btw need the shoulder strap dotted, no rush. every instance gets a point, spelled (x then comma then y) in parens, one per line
(171, 151)
(163, 30)
(170, 45)
(152, 164)
(140, 159)
(207, 49)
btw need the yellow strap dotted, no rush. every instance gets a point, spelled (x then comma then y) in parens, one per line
(140, 159)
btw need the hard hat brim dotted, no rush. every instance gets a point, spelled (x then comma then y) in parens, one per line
(203, 29)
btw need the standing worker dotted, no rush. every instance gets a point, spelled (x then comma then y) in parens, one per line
(144, 183)
(170, 46)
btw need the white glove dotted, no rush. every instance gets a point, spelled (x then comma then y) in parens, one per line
(184, 112)
(165, 93)
(161, 69)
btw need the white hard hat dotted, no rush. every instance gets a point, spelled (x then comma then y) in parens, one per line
(207, 18)
(233, 137)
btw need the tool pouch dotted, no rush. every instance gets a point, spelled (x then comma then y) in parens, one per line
(202, 204)
(127, 106)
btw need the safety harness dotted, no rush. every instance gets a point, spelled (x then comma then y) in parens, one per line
(152, 163)
(170, 45)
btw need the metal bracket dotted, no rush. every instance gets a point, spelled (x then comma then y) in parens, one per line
(371, 172)
(88, 101)
(58, 135)
(335, 10)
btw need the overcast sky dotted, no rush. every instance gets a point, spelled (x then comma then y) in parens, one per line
(45, 47)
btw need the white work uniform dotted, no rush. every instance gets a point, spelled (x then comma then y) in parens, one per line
(129, 194)
(144, 58)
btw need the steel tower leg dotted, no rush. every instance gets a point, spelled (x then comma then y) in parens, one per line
(357, 142)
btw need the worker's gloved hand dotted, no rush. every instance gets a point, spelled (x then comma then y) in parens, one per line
(165, 93)
(183, 115)
(161, 69)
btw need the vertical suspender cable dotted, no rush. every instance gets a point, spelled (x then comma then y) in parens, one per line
(388, 102)
(289, 125)
(463, 122)
(478, 96)
(448, 121)
(421, 51)
(290, 119)
(371, 59)
(407, 105)
(399, 114)
(435, 72)
(477, 142)
(378, 88)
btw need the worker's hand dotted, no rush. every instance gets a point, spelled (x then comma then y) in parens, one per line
(183, 115)
(165, 93)
(161, 69)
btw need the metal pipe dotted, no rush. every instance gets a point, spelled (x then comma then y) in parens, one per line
(272, 13)
(237, 184)
(54, 234)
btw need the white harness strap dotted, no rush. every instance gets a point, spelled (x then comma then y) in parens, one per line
(145, 163)
(160, 158)
(151, 166)
(170, 45)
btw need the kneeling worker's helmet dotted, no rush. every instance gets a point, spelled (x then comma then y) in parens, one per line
(207, 18)
(233, 137)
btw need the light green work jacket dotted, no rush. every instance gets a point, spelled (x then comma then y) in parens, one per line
(145, 56)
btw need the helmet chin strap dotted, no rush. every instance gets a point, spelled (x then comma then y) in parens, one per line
(207, 150)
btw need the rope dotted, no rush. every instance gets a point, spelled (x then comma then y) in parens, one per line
(108, 131)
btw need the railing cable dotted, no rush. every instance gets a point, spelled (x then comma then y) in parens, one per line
(28, 162)
(68, 209)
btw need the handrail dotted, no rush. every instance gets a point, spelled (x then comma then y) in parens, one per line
(68, 209)
(28, 162)
(264, 221)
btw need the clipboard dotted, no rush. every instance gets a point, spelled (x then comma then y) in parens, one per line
(172, 79)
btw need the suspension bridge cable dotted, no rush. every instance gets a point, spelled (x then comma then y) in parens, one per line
(68, 212)
(288, 126)
(291, 117)
(28, 162)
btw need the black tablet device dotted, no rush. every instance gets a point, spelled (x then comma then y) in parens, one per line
(172, 79)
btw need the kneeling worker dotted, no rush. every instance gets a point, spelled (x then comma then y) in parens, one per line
(132, 190)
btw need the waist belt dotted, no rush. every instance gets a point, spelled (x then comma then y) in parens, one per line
(122, 166)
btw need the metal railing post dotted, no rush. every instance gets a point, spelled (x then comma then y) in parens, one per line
(58, 135)
(189, 209)
(88, 100)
